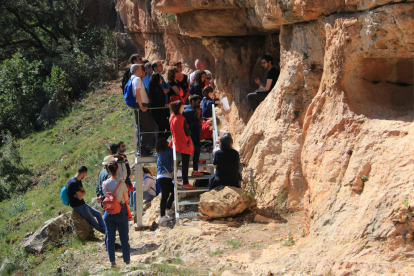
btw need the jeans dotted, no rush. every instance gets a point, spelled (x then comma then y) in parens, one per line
(167, 194)
(132, 199)
(112, 222)
(256, 98)
(88, 213)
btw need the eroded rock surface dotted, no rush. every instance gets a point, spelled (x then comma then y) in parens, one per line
(334, 136)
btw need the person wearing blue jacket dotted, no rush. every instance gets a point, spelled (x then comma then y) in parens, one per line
(165, 174)
(192, 114)
(208, 102)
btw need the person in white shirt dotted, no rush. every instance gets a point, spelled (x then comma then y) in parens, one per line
(147, 123)
(150, 188)
(200, 64)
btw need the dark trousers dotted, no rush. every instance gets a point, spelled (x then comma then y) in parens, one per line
(147, 124)
(167, 193)
(161, 118)
(185, 161)
(196, 157)
(207, 143)
(256, 98)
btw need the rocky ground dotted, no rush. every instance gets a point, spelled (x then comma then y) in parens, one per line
(199, 247)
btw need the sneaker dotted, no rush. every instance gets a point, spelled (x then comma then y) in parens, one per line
(189, 187)
(164, 219)
(197, 173)
(170, 212)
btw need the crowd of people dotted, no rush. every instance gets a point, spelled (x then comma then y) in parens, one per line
(180, 109)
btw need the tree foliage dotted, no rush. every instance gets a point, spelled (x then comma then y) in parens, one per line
(13, 174)
(46, 55)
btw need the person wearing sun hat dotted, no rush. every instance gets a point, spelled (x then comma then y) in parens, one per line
(104, 175)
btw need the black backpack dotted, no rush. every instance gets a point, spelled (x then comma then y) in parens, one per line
(125, 79)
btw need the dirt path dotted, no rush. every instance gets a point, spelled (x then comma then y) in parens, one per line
(196, 247)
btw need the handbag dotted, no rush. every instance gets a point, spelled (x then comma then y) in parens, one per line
(170, 174)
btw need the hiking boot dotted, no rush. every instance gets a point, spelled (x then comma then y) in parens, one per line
(189, 187)
(164, 219)
(197, 173)
(113, 264)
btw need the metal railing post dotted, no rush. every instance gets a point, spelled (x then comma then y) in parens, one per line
(177, 216)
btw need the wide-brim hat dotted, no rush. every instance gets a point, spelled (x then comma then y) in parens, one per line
(108, 160)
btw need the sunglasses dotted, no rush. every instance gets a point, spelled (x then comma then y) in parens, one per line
(209, 78)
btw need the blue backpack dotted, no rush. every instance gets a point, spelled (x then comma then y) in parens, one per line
(64, 196)
(130, 100)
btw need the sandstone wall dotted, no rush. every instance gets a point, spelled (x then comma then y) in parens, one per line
(342, 108)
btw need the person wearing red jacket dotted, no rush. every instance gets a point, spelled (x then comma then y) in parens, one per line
(181, 138)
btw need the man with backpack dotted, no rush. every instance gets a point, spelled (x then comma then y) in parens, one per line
(136, 96)
(76, 192)
(135, 59)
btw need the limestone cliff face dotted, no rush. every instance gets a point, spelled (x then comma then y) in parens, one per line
(343, 108)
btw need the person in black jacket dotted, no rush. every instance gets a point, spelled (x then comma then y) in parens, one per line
(135, 59)
(192, 114)
(226, 162)
(157, 95)
(197, 86)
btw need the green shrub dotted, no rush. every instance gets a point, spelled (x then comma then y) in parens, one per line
(18, 206)
(13, 174)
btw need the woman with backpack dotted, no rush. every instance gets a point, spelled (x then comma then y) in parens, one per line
(116, 217)
(165, 174)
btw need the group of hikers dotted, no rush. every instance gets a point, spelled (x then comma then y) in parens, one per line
(180, 110)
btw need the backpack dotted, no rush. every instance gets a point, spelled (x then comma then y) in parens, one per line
(64, 196)
(130, 100)
(122, 173)
(125, 79)
(111, 204)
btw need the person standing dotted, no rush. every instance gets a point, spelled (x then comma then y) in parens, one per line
(148, 74)
(181, 139)
(192, 114)
(176, 92)
(116, 221)
(198, 83)
(208, 102)
(146, 123)
(200, 64)
(182, 79)
(135, 59)
(161, 114)
(165, 173)
(260, 94)
(76, 192)
(157, 67)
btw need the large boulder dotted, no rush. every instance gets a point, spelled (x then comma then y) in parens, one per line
(53, 230)
(48, 113)
(226, 202)
(83, 229)
(49, 232)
